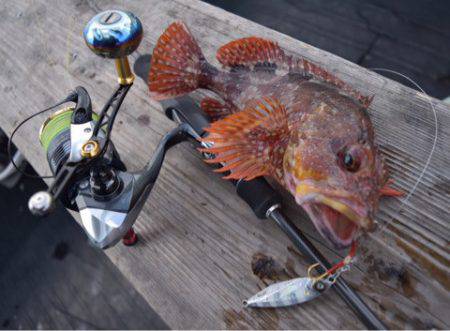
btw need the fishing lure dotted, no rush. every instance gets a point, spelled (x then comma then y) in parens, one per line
(302, 289)
(282, 117)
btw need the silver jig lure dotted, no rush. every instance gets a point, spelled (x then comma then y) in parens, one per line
(295, 291)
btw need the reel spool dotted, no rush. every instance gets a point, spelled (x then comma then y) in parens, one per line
(54, 137)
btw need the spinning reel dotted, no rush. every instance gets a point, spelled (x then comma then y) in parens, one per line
(89, 175)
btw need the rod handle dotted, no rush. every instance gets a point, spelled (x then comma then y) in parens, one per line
(259, 195)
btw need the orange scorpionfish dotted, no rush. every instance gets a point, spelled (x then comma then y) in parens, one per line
(282, 117)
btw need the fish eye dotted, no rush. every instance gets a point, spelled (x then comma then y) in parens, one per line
(350, 159)
(350, 162)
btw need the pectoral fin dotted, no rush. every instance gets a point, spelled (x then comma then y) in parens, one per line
(217, 109)
(250, 143)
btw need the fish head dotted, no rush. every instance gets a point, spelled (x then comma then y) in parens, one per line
(334, 170)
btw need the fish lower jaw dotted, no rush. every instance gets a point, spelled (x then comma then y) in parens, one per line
(332, 224)
(350, 208)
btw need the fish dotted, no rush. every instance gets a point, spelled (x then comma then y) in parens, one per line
(285, 117)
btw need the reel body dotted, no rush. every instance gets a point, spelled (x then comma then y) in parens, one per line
(108, 198)
(89, 176)
(107, 219)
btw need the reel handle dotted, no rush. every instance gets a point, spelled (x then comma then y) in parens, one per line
(115, 34)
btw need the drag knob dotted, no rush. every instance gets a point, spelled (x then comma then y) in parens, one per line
(115, 34)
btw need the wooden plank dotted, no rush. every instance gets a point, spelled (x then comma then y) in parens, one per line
(197, 238)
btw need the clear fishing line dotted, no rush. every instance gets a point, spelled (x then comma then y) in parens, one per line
(16, 129)
(430, 155)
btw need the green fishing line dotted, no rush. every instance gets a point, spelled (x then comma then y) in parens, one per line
(57, 123)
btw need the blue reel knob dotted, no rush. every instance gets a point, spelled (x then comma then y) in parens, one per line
(113, 33)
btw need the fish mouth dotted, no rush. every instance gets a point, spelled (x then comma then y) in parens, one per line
(336, 215)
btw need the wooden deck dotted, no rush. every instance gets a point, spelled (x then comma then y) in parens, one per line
(193, 262)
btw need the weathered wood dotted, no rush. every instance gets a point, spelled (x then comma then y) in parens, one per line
(197, 238)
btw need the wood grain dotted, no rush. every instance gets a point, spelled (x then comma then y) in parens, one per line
(197, 238)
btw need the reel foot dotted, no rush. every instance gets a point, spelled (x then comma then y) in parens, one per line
(130, 238)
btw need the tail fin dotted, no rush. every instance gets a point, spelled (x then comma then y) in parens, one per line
(176, 63)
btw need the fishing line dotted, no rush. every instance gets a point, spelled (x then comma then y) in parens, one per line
(430, 155)
(9, 147)
(68, 99)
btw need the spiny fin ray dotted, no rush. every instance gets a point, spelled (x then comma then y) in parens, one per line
(250, 143)
(252, 53)
(313, 69)
(216, 109)
(176, 64)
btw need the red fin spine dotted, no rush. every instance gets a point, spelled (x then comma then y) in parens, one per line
(252, 142)
(388, 191)
(329, 78)
(176, 64)
(250, 51)
(216, 109)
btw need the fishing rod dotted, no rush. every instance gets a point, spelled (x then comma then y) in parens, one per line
(266, 203)
(90, 177)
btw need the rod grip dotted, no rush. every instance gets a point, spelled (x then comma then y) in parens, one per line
(259, 195)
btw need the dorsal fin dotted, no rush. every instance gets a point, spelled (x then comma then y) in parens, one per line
(252, 142)
(252, 52)
(322, 74)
